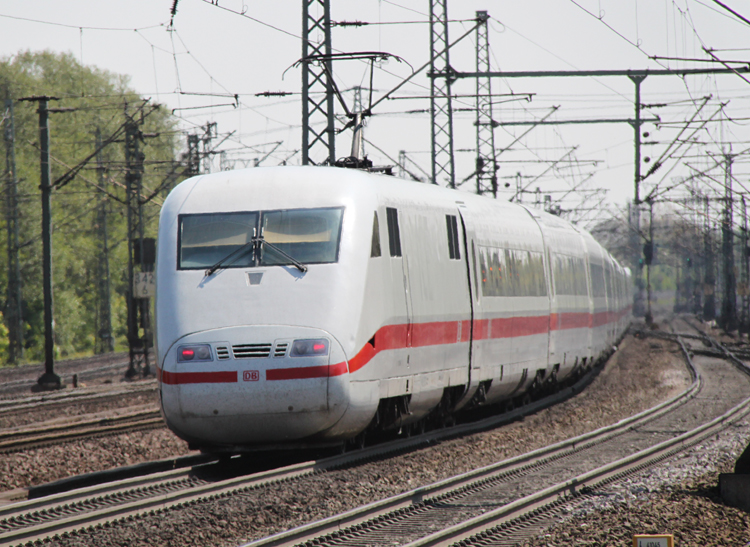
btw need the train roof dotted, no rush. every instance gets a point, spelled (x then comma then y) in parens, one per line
(315, 186)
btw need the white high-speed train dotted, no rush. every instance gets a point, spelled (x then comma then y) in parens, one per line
(300, 306)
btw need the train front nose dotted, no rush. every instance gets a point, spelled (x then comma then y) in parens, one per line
(253, 385)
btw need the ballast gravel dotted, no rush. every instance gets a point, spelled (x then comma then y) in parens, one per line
(35, 416)
(51, 463)
(641, 374)
(679, 497)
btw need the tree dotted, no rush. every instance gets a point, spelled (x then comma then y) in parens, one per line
(100, 100)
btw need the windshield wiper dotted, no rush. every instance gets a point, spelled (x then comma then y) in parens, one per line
(301, 267)
(221, 262)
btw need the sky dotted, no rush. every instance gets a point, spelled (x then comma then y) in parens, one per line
(210, 51)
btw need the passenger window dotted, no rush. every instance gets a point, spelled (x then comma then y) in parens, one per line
(512, 272)
(375, 245)
(453, 248)
(394, 238)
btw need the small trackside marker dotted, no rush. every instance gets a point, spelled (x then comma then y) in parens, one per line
(653, 540)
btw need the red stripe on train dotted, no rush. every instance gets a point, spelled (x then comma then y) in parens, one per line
(392, 337)
(440, 333)
(213, 377)
(304, 373)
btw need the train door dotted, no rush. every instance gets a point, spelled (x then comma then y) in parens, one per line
(400, 290)
(590, 295)
(608, 270)
(552, 344)
(438, 301)
(552, 353)
(467, 237)
(409, 304)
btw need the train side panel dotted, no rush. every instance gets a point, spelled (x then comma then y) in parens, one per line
(511, 300)
(570, 342)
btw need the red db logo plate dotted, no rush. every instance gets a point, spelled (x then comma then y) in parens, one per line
(250, 375)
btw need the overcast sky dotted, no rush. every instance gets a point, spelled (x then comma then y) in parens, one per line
(212, 51)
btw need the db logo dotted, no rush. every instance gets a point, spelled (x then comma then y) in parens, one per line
(250, 375)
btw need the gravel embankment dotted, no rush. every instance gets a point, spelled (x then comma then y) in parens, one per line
(51, 463)
(679, 497)
(641, 374)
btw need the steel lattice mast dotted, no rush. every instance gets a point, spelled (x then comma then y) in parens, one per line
(441, 108)
(318, 137)
(486, 162)
(140, 337)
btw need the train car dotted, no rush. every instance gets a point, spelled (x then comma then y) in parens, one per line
(300, 306)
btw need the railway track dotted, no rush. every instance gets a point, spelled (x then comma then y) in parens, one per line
(505, 492)
(104, 504)
(21, 379)
(23, 438)
(58, 399)
(503, 503)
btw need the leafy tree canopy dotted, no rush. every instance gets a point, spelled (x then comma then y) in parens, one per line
(100, 102)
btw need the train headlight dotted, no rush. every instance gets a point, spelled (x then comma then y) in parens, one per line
(309, 348)
(194, 352)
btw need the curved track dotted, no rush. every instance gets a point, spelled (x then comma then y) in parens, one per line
(500, 504)
(462, 507)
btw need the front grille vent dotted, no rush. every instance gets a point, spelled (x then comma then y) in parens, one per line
(280, 349)
(249, 351)
(222, 352)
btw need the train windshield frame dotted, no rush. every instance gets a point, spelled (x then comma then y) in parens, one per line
(237, 239)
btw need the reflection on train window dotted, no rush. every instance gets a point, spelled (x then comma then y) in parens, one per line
(512, 272)
(206, 239)
(310, 236)
(570, 275)
(375, 244)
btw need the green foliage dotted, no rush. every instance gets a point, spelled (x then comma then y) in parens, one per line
(663, 278)
(3, 337)
(100, 101)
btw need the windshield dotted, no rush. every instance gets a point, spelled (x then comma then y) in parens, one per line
(309, 236)
(206, 239)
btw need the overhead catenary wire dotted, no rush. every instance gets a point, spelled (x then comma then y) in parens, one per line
(80, 27)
